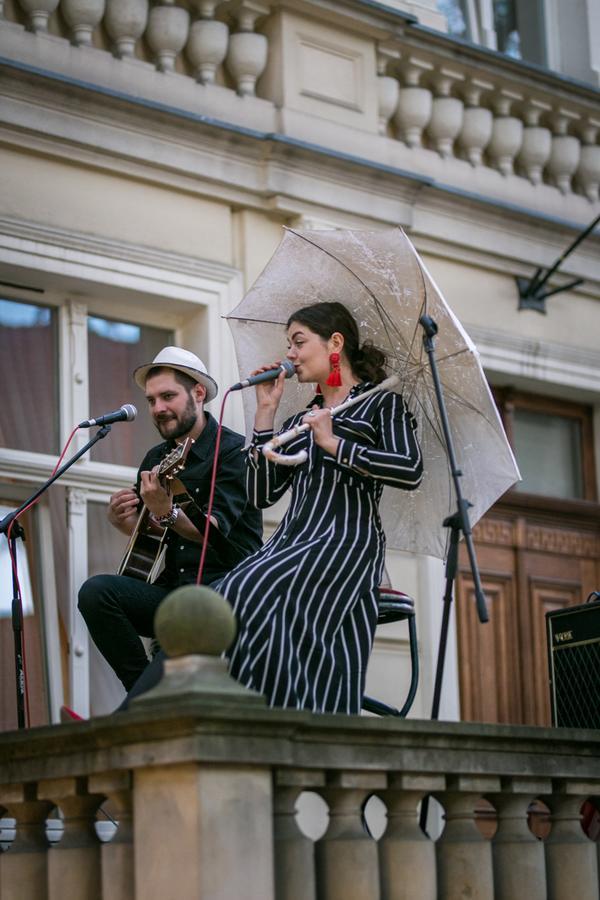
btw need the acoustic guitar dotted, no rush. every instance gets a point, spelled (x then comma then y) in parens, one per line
(145, 551)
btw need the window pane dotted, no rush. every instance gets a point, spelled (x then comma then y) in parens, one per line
(29, 409)
(453, 10)
(548, 451)
(115, 349)
(507, 32)
(106, 545)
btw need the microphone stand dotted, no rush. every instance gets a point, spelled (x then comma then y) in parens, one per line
(457, 523)
(17, 604)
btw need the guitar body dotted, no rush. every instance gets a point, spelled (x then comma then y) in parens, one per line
(146, 547)
(145, 550)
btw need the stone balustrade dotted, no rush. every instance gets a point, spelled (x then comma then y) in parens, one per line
(435, 96)
(204, 782)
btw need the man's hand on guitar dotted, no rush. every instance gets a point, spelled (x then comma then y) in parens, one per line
(123, 510)
(153, 494)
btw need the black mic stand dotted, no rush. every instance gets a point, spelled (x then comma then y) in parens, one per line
(457, 523)
(17, 605)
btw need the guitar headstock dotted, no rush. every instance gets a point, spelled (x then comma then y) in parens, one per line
(175, 460)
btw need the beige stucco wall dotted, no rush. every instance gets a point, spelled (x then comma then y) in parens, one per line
(82, 198)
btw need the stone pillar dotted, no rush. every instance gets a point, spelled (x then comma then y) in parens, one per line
(116, 856)
(294, 852)
(464, 856)
(571, 858)
(519, 870)
(196, 821)
(346, 856)
(406, 855)
(74, 862)
(23, 868)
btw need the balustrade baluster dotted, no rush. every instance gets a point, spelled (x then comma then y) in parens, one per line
(565, 152)
(571, 858)
(446, 114)
(464, 856)
(388, 89)
(167, 33)
(38, 13)
(537, 142)
(346, 856)
(507, 133)
(476, 129)
(125, 22)
(82, 16)
(23, 868)
(294, 852)
(207, 44)
(588, 172)
(414, 104)
(116, 855)
(406, 855)
(519, 870)
(247, 53)
(74, 862)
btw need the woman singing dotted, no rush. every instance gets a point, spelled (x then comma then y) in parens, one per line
(306, 603)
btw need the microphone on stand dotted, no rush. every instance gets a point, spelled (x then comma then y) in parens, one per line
(270, 375)
(127, 413)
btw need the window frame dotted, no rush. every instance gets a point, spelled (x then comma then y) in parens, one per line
(508, 399)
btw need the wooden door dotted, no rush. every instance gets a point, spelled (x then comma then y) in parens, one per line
(536, 553)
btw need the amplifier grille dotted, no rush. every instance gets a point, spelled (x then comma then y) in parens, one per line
(574, 660)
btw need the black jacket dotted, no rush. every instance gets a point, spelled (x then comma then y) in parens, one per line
(239, 522)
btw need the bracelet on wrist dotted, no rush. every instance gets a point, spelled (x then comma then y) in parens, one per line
(169, 519)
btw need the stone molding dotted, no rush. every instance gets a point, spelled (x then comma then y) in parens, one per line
(545, 361)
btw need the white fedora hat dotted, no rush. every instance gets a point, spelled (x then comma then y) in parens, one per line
(184, 361)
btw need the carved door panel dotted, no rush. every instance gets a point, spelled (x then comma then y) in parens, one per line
(529, 565)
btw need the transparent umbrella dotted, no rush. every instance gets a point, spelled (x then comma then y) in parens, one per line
(381, 279)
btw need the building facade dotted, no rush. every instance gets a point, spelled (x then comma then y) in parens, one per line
(151, 154)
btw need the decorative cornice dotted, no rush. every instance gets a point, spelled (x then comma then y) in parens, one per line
(545, 361)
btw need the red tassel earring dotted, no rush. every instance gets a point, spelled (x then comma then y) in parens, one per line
(335, 378)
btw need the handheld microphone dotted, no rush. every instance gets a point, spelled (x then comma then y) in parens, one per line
(270, 375)
(127, 413)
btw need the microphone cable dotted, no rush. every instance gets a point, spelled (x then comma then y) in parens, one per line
(213, 482)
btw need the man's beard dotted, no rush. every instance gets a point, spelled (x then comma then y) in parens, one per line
(176, 426)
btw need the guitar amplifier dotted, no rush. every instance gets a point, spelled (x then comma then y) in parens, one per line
(574, 659)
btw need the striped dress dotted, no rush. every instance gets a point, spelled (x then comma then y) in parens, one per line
(306, 602)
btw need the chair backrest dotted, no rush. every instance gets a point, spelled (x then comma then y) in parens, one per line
(394, 606)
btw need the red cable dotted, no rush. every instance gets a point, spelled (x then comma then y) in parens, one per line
(16, 574)
(211, 496)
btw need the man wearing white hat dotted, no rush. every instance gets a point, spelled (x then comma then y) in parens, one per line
(119, 608)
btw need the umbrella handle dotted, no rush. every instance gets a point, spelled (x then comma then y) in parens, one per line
(296, 459)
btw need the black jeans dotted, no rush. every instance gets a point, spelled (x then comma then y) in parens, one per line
(117, 610)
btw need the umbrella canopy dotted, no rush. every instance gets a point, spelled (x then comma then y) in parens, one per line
(380, 278)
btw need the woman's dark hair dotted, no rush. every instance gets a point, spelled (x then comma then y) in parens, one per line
(366, 360)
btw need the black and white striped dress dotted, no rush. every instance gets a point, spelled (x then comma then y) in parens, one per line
(306, 602)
